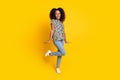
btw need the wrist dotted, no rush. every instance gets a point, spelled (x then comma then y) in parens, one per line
(64, 39)
(50, 39)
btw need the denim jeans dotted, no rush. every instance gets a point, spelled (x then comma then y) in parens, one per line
(61, 51)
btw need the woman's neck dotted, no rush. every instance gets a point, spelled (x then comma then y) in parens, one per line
(58, 19)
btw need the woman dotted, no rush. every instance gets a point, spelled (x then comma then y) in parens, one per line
(57, 33)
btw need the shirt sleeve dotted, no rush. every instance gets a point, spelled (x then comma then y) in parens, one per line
(52, 22)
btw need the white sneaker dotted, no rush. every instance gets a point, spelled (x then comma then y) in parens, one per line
(58, 70)
(47, 53)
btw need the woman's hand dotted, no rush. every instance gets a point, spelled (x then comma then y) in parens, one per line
(67, 42)
(48, 41)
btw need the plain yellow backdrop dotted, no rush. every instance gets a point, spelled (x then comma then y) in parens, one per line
(91, 26)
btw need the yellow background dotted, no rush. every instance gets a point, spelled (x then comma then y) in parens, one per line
(91, 26)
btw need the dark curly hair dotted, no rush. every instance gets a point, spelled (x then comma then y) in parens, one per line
(52, 14)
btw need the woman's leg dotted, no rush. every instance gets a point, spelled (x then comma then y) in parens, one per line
(58, 61)
(59, 57)
(60, 47)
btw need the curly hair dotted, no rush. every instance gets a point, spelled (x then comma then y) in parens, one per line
(52, 14)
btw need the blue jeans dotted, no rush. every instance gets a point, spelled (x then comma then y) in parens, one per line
(61, 51)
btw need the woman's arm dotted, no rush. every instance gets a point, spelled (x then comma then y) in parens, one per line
(65, 38)
(51, 33)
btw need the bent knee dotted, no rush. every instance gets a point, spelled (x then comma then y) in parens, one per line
(63, 53)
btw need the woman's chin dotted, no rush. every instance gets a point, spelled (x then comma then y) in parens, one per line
(58, 18)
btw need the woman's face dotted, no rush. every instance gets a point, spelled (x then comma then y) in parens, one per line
(57, 14)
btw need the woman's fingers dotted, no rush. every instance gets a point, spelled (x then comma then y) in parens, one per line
(67, 42)
(48, 41)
